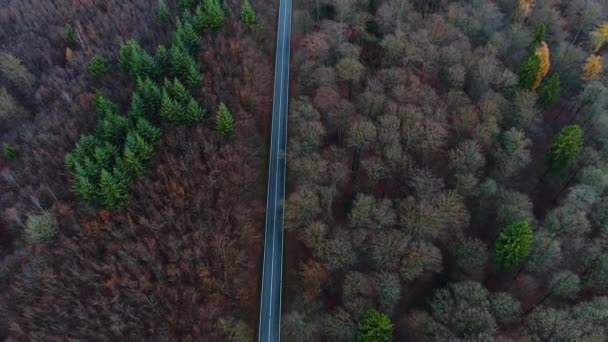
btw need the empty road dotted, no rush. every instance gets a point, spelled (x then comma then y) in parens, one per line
(270, 303)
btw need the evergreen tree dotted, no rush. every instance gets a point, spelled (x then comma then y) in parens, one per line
(98, 67)
(105, 155)
(143, 65)
(163, 12)
(376, 327)
(70, 37)
(248, 14)
(225, 124)
(170, 109)
(151, 96)
(185, 68)
(186, 37)
(549, 91)
(128, 54)
(147, 131)
(565, 149)
(113, 188)
(177, 91)
(8, 152)
(137, 154)
(513, 245)
(209, 16)
(528, 72)
(186, 5)
(104, 107)
(193, 114)
(113, 128)
(538, 36)
(162, 62)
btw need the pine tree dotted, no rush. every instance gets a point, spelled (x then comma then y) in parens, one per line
(248, 14)
(170, 109)
(113, 188)
(113, 128)
(104, 107)
(84, 185)
(177, 91)
(98, 67)
(538, 36)
(225, 124)
(566, 149)
(151, 96)
(147, 131)
(105, 155)
(162, 62)
(513, 245)
(185, 68)
(376, 327)
(593, 68)
(143, 65)
(128, 55)
(8, 152)
(549, 91)
(137, 154)
(209, 16)
(163, 12)
(186, 37)
(193, 113)
(529, 71)
(70, 37)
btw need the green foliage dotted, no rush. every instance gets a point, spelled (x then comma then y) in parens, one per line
(162, 62)
(163, 12)
(248, 14)
(224, 122)
(513, 245)
(178, 105)
(209, 16)
(186, 37)
(113, 188)
(40, 228)
(147, 131)
(127, 56)
(549, 91)
(376, 327)
(186, 5)
(151, 97)
(135, 61)
(98, 67)
(8, 152)
(70, 37)
(185, 68)
(235, 330)
(565, 149)
(528, 71)
(538, 36)
(137, 154)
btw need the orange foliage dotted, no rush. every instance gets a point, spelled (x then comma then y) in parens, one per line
(543, 53)
(593, 68)
(314, 276)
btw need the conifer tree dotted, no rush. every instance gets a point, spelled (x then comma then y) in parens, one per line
(529, 71)
(538, 36)
(248, 16)
(162, 62)
(70, 37)
(549, 91)
(186, 37)
(170, 109)
(513, 245)
(163, 12)
(8, 152)
(104, 107)
(209, 16)
(185, 68)
(376, 327)
(566, 149)
(113, 188)
(113, 128)
(137, 154)
(147, 131)
(98, 67)
(593, 68)
(127, 56)
(151, 96)
(193, 113)
(225, 124)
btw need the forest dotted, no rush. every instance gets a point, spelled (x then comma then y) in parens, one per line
(447, 171)
(132, 169)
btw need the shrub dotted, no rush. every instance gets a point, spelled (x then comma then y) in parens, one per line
(39, 228)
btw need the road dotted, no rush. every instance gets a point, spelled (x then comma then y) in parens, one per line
(270, 302)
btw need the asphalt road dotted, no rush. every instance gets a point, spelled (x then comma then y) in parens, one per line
(270, 302)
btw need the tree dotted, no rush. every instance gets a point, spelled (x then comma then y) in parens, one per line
(209, 16)
(163, 12)
(565, 149)
(186, 37)
(70, 37)
(376, 327)
(40, 228)
(549, 91)
(129, 52)
(338, 326)
(15, 72)
(98, 67)
(599, 36)
(389, 291)
(235, 330)
(137, 154)
(225, 124)
(151, 97)
(470, 256)
(529, 71)
(564, 284)
(8, 152)
(113, 188)
(543, 54)
(513, 245)
(538, 36)
(512, 152)
(350, 70)
(593, 68)
(248, 14)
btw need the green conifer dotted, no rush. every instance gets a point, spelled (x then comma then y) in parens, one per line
(225, 124)
(248, 14)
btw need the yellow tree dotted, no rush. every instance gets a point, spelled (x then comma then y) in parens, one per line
(593, 68)
(524, 7)
(599, 37)
(543, 54)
